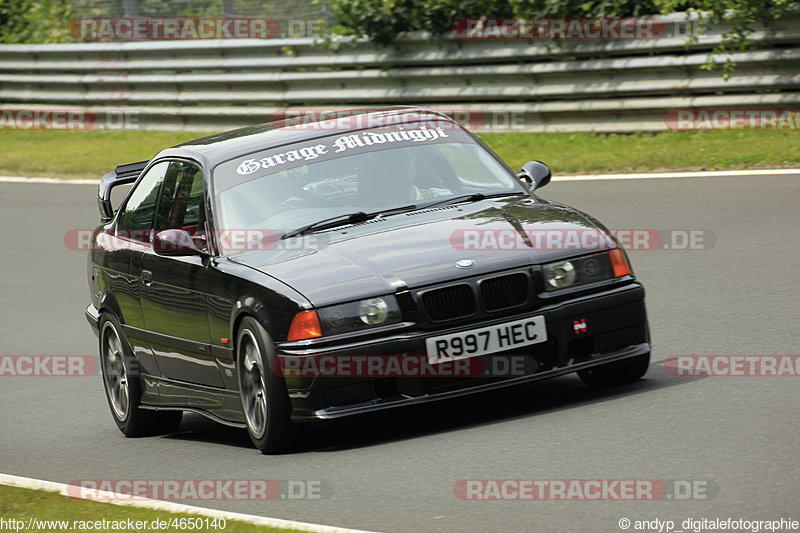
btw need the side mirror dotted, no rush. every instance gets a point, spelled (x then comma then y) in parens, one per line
(535, 173)
(175, 242)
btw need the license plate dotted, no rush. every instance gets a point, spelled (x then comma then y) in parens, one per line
(487, 340)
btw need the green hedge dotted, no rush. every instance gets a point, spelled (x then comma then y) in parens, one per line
(35, 21)
(382, 20)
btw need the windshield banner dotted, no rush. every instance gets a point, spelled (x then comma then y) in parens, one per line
(253, 166)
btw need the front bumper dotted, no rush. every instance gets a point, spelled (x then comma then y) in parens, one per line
(93, 317)
(617, 330)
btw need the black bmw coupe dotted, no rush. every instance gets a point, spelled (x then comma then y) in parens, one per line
(274, 275)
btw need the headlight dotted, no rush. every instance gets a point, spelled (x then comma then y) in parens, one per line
(577, 271)
(560, 275)
(360, 315)
(373, 312)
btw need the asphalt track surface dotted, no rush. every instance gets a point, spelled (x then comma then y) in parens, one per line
(396, 471)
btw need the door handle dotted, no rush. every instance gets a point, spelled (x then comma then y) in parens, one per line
(147, 278)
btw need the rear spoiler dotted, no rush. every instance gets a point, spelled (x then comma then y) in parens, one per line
(119, 176)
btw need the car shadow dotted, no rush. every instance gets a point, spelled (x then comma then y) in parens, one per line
(487, 408)
(523, 401)
(198, 428)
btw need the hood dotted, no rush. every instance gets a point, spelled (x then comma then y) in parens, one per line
(422, 247)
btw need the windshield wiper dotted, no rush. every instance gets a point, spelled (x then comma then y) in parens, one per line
(349, 218)
(474, 197)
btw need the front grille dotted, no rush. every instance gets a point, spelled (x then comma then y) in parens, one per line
(456, 301)
(504, 292)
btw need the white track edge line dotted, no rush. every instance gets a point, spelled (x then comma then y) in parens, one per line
(21, 179)
(587, 177)
(668, 175)
(157, 505)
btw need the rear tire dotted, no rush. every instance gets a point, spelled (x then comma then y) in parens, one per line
(616, 373)
(265, 401)
(124, 390)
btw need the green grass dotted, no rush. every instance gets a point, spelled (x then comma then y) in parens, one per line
(90, 154)
(79, 154)
(23, 504)
(593, 153)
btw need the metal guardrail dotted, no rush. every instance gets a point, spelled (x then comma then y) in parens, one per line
(495, 85)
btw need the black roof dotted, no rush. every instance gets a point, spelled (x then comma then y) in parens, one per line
(221, 147)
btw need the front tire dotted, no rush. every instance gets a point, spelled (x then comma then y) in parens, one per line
(616, 373)
(124, 390)
(265, 402)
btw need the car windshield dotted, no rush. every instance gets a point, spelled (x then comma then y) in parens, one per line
(291, 187)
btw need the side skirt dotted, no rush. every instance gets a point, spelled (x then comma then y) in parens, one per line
(221, 405)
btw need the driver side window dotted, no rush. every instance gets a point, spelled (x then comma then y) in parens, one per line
(136, 220)
(181, 204)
